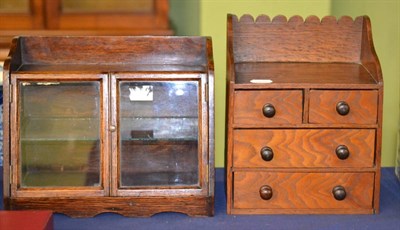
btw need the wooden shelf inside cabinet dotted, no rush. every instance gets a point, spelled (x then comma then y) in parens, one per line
(304, 104)
(123, 124)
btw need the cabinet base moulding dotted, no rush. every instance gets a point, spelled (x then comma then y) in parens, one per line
(126, 206)
(300, 211)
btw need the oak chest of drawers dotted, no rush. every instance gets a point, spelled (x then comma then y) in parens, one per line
(304, 115)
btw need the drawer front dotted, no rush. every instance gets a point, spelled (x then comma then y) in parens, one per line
(258, 107)
(341, 106)
(304, 148)
(302, 190)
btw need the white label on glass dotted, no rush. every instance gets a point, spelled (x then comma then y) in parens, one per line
(141, 93)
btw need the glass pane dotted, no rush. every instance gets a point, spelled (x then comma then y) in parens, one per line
(159, 133)
(14, 6)
(59, 134)
(111, 6)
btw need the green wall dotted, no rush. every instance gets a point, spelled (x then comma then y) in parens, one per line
(185, 16)
(208, 18)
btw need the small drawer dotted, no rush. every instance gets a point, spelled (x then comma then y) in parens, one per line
(267, 190)
(343, 106)
(259, 107)
(298, 148)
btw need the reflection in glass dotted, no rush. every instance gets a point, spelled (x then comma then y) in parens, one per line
(14, 6)
(110, 6)
(59, 135)
(159, 133)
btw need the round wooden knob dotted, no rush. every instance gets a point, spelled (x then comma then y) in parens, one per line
(266, 192)
(342, 152)
(342, 108)
(266, 153)
(339, 192)
(268, 110)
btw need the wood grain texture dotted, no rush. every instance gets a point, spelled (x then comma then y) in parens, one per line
(181, 60)
(126, 206)
(111, 50)
(303, 190)
(248, 107)
(368, 55)
(302, 211)
(47, 18)
(328, 60)
(363, 106)
(304, 73)
(298, 148)
(7, 91)
(156, 19)
(314, 41)
(142, 68)
(229, 144)
(33, 19)
(208, 116)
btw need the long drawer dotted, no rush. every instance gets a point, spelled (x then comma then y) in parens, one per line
(302, 190)
(299, 148)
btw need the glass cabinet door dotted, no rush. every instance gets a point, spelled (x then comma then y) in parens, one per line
(59, 138)
(159, 133)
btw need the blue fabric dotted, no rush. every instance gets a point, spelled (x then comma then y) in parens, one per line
(389, 217)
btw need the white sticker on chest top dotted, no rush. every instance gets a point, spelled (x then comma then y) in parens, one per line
(261, 81)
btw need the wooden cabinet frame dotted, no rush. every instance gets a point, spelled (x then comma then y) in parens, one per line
(49, 60)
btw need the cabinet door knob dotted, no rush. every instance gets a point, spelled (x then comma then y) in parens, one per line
(339, 193)
(113, 128)
(266, 192)
(342, 152)
(267, 153)
(268, 110)
(342, 108)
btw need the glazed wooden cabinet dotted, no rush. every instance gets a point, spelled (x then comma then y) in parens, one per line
(109, 124)
(304, 116)
(81, 17)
